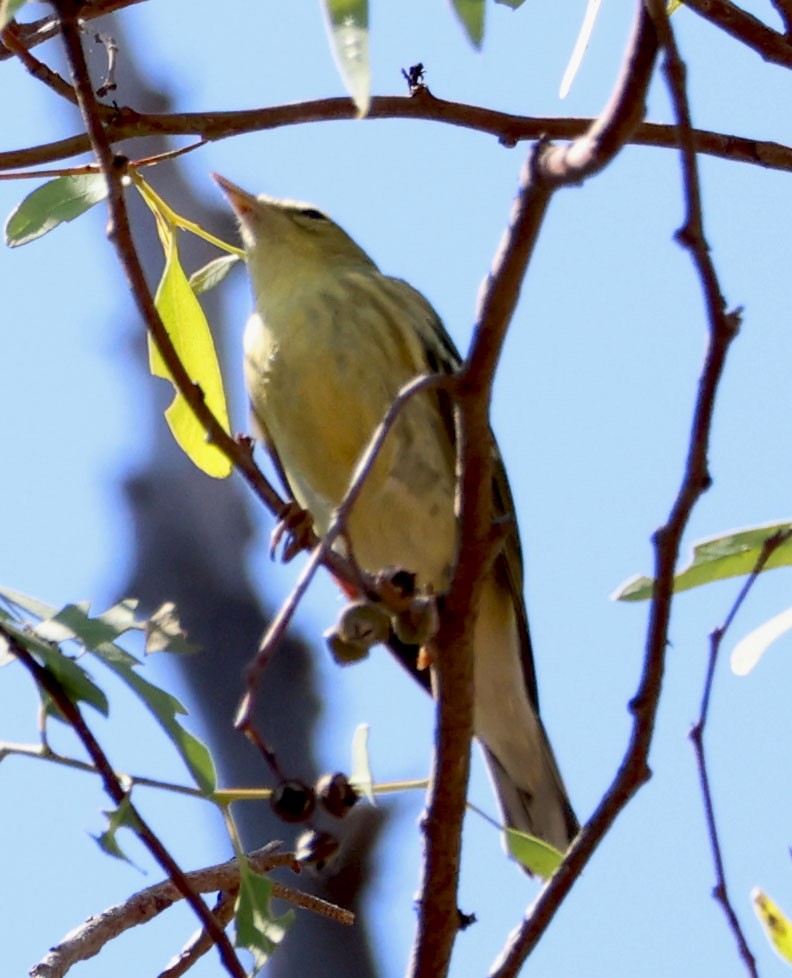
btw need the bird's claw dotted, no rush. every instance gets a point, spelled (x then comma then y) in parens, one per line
(294, 527)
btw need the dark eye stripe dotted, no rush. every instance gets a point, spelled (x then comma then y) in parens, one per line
(313, 213)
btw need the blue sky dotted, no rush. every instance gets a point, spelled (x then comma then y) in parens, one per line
(592, 407)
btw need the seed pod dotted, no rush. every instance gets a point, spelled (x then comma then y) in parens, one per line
(335, 794)
(316, 849)
(344, 653)
(293, 801)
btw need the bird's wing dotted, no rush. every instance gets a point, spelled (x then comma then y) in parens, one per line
(442, 357)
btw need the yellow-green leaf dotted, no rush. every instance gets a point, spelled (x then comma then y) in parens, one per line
(348, 26)
(212, 273)
(189, 332)
(731, 554)
(258, 929)
(777, 927)
(537, 856)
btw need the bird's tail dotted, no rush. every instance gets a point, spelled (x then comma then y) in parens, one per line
(544, 812)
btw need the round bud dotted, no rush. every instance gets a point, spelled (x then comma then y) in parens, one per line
(293, 801)
(344, 653)
(316, 849)
(335, 794)
(419, 623)
(364, 623)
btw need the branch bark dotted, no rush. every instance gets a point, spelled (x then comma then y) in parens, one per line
(124, 124)
(634, 770)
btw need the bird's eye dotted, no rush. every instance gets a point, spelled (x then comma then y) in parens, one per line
(314, 214)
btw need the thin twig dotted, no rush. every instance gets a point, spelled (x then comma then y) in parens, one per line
(323, 550)
(9, 36)
(200, 943)
(721, 892)
(45, 28)
(88, 940)
(42, 752)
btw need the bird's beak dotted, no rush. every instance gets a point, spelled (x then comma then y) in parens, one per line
(241, 201)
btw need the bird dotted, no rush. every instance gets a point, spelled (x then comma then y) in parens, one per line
(329, 345)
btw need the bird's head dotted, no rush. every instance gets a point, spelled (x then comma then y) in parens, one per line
(286, 237)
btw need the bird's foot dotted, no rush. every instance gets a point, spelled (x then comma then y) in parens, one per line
(294, 528)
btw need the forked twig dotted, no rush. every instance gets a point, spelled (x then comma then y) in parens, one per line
(721, 892)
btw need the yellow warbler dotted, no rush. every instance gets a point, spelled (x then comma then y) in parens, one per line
(331, 342)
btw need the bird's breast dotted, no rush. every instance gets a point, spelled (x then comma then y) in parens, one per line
(321, 383)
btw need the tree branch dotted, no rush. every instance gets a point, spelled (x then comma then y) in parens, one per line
(548, 168)
(123, 124)
(9, 37)
(91, 937)
(38, 31)
(784, 10)
(749, 30)
(634, 770)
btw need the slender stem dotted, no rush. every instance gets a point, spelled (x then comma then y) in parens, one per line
(721, 891)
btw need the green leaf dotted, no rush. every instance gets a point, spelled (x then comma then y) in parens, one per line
(537, 856)
(732, 554)
(361, 776)
(189, 332)
(212, 273)
(59, 200)
(76, 683)
(514, 4)
(121, 817)
(471, 14)
(26, 603)
(776, 926)
(8, 9)
(74, 622)
(98, 635)
(348, 26)
(165, 709)
(258, 929)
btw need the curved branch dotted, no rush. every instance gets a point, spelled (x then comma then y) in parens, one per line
(91, 937)
(124, 124)
(749, 30)
(634, 771)
(547, 169)
(721, 891)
